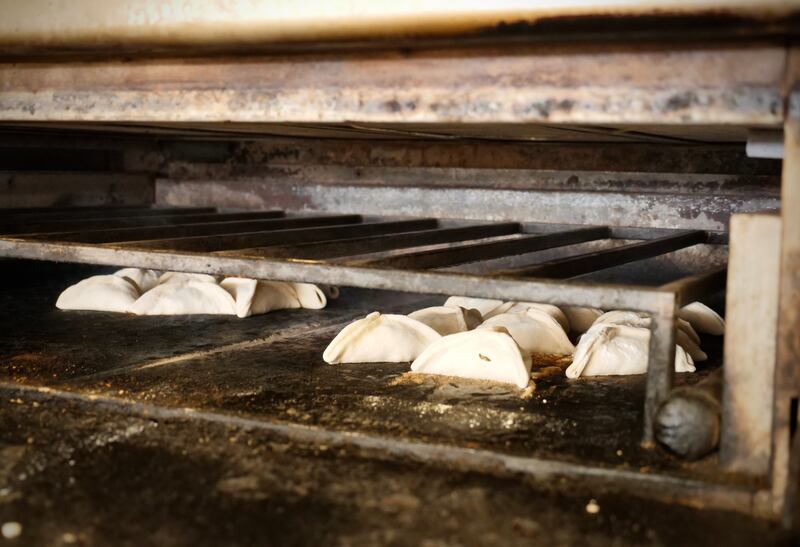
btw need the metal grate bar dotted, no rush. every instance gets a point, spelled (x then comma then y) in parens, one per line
(190, 230)
(660, 364)
(230, 242)
(363, 245)
(94, 212)
(608, 258)
(106, 223)
(606, 296)
(71, 209)
(461, 254)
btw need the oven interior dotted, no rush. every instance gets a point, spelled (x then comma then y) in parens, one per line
(398, 215)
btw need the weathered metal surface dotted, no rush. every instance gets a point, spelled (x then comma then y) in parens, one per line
(684, 210)
(565, 179)
(660, 364)
(597, 84)
(38, 189)
(751, 319)
(787, 376)
(192, 158)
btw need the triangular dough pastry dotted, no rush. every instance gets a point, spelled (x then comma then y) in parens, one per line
(144, 279)
(379, 338)
(580, 318)
(181, 277)
(624, 317)
(685, 335)
(481, 354)
(308, 295)
(610, 349)
(534, 331)
(485, 306)
(190, 297)
(703, 318)
(254, 297)
(551, 310)
(99, 293)
(448, 319)
(688, 329)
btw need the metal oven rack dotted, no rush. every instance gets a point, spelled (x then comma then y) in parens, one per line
(334, 249)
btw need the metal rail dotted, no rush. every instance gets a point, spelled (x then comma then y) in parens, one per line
(335, 249)
(124, 221)
(495, 249)
(190, 230)
(349, 247)
(83, 213)
(609, 258)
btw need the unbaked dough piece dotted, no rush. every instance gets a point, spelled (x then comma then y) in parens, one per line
(688, 339)
(448, 319)
(550, 309)
(482, 354)
(190, 297)
(143, 279)
(581, 318)
(685, 335)
(691, 347)
(254, 297)
(609, 350)
(379, 338)
(534, 331)
(99, 293)
(485, 306)
(181, 277)
(309, 295)
(703, 318)
(624, 317)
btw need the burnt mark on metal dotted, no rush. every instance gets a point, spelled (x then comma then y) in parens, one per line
(545, 108)
(681, 101)
(662, 22)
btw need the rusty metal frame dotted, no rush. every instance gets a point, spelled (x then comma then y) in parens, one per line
(786, 450)
(714, 83)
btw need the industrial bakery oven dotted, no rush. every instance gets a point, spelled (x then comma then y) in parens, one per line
(617, 158)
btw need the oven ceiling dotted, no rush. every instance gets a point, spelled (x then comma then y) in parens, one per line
(36, 26)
